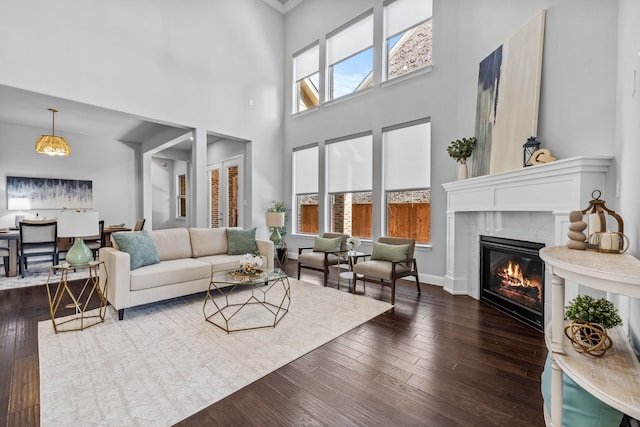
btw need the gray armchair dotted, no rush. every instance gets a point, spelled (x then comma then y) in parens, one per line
(321, 260)
(385, 266)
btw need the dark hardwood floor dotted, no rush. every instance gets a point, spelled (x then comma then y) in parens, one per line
(433, 360)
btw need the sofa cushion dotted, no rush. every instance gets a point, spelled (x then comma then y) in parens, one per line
(240, 242)
(316, 259)
(168, 273)
(321, 244)
(385, 252)
(225, 262)
(379, 269)
(172, 243)
(139, 246)
(208, 241)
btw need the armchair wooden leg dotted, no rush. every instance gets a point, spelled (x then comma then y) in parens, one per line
(393, 292)
(415, 267)
(298, 271)
(326, 273)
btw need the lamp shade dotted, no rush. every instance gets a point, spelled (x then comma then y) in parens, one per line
(51, 144)
(78, 224)
(275, 219)
(19, 204)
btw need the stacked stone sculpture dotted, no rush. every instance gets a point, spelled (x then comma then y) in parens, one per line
(577, 238)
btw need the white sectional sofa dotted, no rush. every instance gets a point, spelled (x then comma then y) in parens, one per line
(188, 257)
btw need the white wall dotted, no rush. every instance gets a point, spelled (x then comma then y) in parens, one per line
(195, 63)
(578, 96)
(164, 190)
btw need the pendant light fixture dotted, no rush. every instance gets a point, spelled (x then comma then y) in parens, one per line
(51, 144)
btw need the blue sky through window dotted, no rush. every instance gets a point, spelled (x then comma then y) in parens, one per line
(393, 40)
(349, 73)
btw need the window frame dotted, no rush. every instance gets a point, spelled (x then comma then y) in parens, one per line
(181, 196)
(386, 37)
(423, 184)
(363, 19)
(298, 79)
(308, 188)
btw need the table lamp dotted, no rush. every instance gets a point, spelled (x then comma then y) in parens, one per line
(78, 224)
(19, 204)
(275, 220)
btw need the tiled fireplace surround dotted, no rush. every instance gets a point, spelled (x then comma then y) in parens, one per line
(530, 204)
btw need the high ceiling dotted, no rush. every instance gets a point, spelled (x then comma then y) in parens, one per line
(30, 109)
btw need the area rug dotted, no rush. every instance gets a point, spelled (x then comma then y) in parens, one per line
(164, 362)
(35, 275)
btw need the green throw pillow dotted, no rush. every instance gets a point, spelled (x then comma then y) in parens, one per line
(385, 252)
(240, 242)
(139, 246)
(322, 244)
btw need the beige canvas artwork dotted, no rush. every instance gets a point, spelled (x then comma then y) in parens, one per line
(508, 100)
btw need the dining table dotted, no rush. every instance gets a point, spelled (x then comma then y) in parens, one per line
(12, 236)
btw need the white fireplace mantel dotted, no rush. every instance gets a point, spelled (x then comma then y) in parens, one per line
(563, 185)
(557, 187)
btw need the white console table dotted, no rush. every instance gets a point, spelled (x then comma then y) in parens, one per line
(615, 377)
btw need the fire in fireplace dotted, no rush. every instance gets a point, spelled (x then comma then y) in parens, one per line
(512, 278)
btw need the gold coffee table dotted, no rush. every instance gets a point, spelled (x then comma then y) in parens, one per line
(90, 291)
(238, 303)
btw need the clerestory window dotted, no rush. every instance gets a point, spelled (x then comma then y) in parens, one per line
(408, 29)
(350, 57)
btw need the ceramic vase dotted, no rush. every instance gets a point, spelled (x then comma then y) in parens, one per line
(462, 171)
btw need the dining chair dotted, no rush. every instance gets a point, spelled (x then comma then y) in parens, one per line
(391, 259)
(139, 224)
(37, 239)
(4, 253)
(95, 242)
(326, 251)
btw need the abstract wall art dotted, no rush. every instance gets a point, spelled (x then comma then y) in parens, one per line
(508, 100)
(52, 193)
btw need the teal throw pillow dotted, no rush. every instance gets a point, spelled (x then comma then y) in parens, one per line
(385, 252)
(322, 244)
(240, 242)
(139, 246)
(579, 407)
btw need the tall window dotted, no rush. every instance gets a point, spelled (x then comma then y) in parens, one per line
(306, 77)
(407, 180)
(350, 57)
(182, 196)
(349, 182)
(305, 187)
(408, 35)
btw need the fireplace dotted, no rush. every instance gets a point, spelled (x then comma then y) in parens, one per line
(512, 278)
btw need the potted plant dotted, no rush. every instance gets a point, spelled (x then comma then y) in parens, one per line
(460, 150)
(590, 319)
